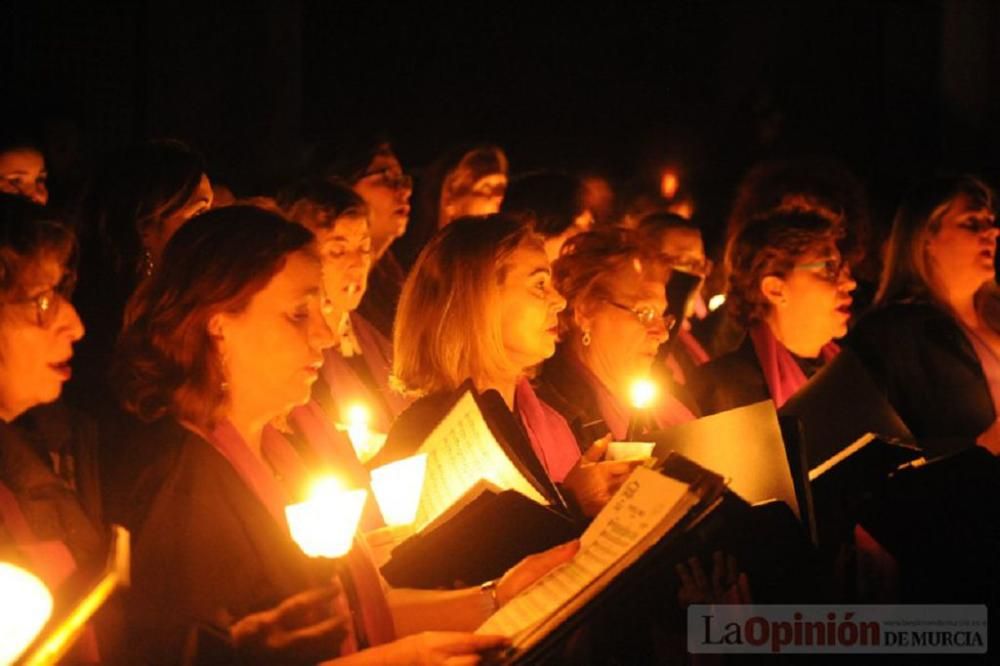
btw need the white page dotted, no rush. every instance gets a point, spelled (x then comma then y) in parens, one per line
(640, 506)
(460, 451)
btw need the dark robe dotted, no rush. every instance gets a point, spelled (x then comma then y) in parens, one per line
(921, 359)
(205, 549)
(385, 283)
(736, 379)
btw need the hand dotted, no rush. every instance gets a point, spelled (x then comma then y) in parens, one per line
(432, 647)
(593, 482)
(309, 626)
(728, 584)
(531, 568)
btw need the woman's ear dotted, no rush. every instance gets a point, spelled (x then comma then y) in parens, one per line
(582, 318)
(774, 290)
(217, 328)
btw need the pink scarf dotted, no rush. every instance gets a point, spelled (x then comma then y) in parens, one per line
(669, 411)
(783, 375)
(347, 387)
(551, 438)
(283, 460)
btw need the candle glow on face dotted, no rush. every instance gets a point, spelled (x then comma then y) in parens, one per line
(397, 487)
(643, 393)
(324, 525)
(25, 607)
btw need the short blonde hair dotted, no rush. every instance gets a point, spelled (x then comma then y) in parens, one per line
(448, 327)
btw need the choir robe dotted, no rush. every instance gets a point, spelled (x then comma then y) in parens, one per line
(205, 549)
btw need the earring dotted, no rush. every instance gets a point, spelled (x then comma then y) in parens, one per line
(586, 339)
(146, 265)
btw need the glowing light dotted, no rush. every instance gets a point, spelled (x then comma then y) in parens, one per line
(25, 607)
(684, 209)
(397, 487)
(629, 450)
(642, 393)
(324, 525)
(716, 302)
(669, 184)
(365, 442)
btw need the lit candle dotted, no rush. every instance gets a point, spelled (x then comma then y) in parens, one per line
(324, 525)
(716, 302)
(642, 394)
(25, 607)
(397, 487)
(669, 184)
(365, 442)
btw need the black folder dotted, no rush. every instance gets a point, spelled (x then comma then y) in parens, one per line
(480, 543)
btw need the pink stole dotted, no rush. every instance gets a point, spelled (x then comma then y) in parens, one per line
(284, 461)
(783, 375)
(347, 387)
(551, 438)
(669, 410)
(50, 560)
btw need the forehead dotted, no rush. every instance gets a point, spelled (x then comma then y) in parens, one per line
(964, 206)
(821, 251)
(629, 284)
(345, 226)
(384, 160)
(681, 240)
(527, 260)
(21, 159)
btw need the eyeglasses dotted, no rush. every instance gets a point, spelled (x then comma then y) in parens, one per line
(391, 179)
(47, 302)
(646, 314)
(828, 270)
(691, 265)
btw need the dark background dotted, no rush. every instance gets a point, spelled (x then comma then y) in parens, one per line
(893, 89)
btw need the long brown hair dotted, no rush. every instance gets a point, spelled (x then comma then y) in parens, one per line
(166, 360)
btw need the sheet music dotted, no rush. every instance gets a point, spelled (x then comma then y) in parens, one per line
(461, 451)
(641, 505)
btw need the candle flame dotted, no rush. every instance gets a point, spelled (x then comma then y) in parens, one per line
(25, 607)
(397, 487)
(669, 184)
(716, 302)
(643, 392)
(324, 525)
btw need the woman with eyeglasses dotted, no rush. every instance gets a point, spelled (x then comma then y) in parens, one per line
(610, 332)
(789, 285)
(480, 306)
(372, 169)
(49, 504)
(933, 341)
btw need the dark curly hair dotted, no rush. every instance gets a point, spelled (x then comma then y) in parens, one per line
(27, 233)
(166, 361)
(770, 245)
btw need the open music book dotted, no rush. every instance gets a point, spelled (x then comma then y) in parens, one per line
(644, 510)
(461, 452)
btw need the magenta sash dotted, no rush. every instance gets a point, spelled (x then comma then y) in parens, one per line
(285, 461)
(551, 438)
(783, 375)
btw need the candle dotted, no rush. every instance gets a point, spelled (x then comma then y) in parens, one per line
(716, 302)
(642, 394)
(25, 607)
(669, 184)
(397, 487)
(324, 525)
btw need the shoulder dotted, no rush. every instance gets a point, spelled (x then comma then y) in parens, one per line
(732, 380)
